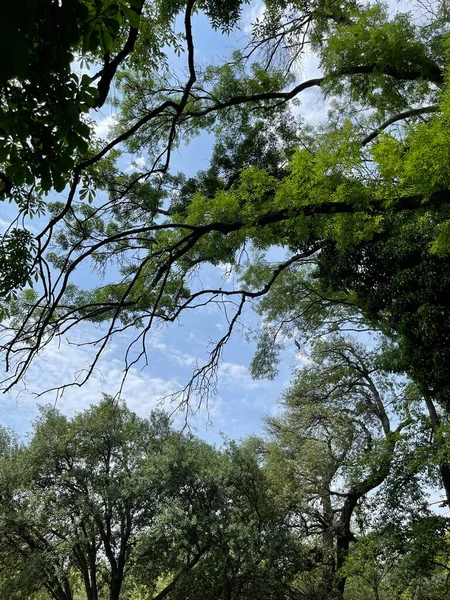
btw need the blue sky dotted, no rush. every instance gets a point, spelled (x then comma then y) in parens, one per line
(240, 402)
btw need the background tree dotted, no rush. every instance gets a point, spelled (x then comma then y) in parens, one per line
(90, 487)
(335, 445)
(108, 504)
(409, 562)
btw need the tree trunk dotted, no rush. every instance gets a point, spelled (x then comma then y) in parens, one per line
(328, 540)
(444, 467)
(115, 586)
(343, 538)
(343, 530)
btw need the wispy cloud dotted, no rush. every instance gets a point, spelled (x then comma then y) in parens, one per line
(237, 376)
(138, 164)
(104, 125)
(176, 356)
(253, 12)
(62, 363)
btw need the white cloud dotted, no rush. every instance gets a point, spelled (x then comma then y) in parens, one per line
(237, 376)
(178, 357)
(171, 362)
(254, 12)
(138, 164)
(303, 359)
(4, 225)
(226, 271)
(64, 363)
(103, 126)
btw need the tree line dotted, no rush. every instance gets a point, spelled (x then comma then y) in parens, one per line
(335, 501)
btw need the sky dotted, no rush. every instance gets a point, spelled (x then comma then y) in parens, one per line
(237, 408)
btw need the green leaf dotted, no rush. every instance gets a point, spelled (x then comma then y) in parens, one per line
(86, 80)
(46, 180)
(82, 145)
(86, 43)
(83, 129)
(131, 16)
(106, 40)
(72, 114)
(59, 181)
(4, 152)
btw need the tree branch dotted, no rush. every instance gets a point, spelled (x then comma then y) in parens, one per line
(108, 72)
(412, 112)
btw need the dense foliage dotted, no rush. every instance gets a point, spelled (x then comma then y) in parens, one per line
(110, 505)
(334, 503)
(332, 195)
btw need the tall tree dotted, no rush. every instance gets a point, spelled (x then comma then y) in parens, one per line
(335, 444)
(84, 491)
(396, 562)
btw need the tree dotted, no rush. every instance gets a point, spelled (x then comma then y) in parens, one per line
(316, 192)
(340, 292)
(335, 445)
(46, 139)
(402, 562)
(256, 554)
(400, 287)
(44, 127)
(107, 503)
(82, 493)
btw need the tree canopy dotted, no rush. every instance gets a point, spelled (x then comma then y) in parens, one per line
(110, 505)
(348, 196)
(333, 502)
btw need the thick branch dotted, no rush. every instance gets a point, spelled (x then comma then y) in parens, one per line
(109, 70)
(435, 77)
(412, 112)
(171, 586)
